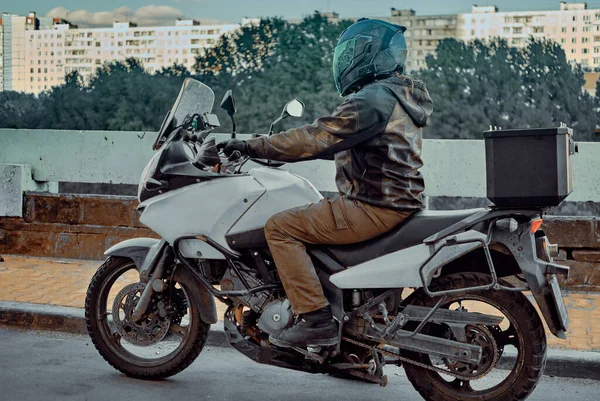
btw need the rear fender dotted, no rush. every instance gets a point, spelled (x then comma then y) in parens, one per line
(536, 271)
(145, 253)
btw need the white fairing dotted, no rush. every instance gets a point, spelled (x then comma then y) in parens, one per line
(284, 190)
(226, 205)
(209, 208)
(401, 269)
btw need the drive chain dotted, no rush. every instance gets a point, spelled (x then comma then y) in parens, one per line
(419, 364)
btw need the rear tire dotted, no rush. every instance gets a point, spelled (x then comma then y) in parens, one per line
(131, 365)
(531, 358)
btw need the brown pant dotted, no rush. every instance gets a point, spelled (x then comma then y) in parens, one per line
(331, 221)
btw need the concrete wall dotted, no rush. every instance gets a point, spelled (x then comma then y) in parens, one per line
(452, 167)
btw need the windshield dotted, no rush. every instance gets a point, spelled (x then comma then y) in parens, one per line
(194, 98)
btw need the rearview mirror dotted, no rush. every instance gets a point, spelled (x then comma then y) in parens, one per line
(294, 108)
(228, 103)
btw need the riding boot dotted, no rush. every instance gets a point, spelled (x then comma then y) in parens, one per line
(313, 329)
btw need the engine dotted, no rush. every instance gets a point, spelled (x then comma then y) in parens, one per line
(232, 282)
(277, 315)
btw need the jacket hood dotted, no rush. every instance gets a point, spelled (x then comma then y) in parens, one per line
(412, 96)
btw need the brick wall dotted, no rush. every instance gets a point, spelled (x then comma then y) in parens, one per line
(578, 239)
(70, 226)
(84, 226)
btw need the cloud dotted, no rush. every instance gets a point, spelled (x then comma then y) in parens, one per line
(147, 15)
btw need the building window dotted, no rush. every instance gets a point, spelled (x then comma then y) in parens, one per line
(596, 60)
(506, 29)
(573, 40)
(587, 17)
(586, 28)
(596, 49)
(596, 38)
(31, 70)
(563, 29)
(517, 30)
(39, 70)
(585, 40)
(573, 51)
(472, 32)
(574, 29)
(574, 18)
(563, 41)
(538, 29)
(584, 61)
(585, 51)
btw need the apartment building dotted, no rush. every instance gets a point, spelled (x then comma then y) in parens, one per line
(424, 33)
(13, 50)
(52, 53)
(37, 52)
(575, 27)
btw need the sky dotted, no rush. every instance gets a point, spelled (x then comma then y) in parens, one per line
(164, 12)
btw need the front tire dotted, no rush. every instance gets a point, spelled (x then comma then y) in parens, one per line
(527, 335)
(109, 344)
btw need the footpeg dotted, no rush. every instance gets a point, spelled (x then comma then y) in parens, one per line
(310, 355)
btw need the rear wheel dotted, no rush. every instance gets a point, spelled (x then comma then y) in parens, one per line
(167, 340)
(517, 345)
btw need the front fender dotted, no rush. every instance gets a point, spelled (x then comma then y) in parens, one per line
(200, 295)
(146, 251)
(143, 251)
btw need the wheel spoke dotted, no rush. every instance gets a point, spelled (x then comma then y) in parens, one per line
(178, 330)
(462, 385)
(507, 337)
(115, 338)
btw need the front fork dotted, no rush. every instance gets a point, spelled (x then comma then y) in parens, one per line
(155, 277)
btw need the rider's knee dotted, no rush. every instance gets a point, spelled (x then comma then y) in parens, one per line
(271, 227)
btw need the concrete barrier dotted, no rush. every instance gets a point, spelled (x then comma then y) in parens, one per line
(453, 168)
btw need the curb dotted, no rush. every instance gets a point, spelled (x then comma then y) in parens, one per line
(24, 316)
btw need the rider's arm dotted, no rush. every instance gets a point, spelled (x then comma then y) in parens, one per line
(316, 140)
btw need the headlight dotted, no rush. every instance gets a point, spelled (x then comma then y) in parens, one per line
(148, 171)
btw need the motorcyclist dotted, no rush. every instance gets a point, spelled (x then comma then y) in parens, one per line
(376, 137)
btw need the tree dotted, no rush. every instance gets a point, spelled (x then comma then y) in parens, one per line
(473, 85)
(478, 84)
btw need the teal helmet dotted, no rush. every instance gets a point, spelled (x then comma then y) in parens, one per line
(368, 50)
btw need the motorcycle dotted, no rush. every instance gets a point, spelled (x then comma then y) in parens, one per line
(441, 295)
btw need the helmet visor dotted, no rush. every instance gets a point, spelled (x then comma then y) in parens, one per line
(343, 56)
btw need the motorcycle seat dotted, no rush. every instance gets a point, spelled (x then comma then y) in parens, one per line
(412, 231)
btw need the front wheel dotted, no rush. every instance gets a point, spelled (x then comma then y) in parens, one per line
(517, 345)
(168, 338)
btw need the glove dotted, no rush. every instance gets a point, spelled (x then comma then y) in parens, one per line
(232, 145)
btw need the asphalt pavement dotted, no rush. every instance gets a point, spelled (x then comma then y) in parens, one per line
(58, 366)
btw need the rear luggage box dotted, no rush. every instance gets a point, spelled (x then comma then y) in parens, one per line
(529, 167)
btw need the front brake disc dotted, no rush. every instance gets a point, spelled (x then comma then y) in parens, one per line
(150, 330)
